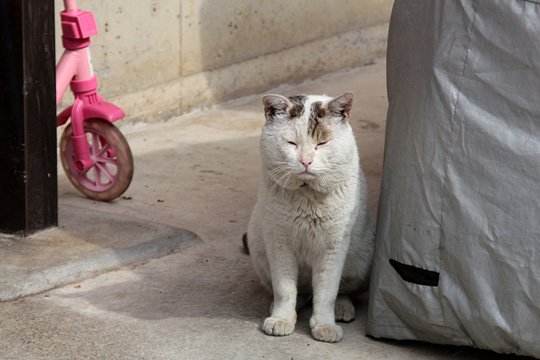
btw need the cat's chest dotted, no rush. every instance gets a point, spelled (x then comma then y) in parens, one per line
(313, 219)
(313, 228)
(309, 215)
(310, 221)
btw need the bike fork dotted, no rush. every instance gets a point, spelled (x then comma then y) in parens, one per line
(85, 92)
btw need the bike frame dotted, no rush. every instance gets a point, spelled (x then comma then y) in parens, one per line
(75, 68)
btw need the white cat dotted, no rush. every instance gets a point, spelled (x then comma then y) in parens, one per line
(309, 232)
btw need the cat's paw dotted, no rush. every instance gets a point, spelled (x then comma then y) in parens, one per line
(278, 327)
(327, 333)
(344, 309)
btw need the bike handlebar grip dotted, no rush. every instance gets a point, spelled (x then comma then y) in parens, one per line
(77, 27)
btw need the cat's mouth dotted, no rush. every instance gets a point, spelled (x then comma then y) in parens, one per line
(306, 175)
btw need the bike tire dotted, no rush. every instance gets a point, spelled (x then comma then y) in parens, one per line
(112, 171)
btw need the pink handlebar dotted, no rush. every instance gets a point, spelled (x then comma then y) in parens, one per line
(77, 26)
(70, 5)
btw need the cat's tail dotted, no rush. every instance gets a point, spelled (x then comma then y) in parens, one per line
(244, 241)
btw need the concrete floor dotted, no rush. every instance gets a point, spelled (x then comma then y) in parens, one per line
(199, 172)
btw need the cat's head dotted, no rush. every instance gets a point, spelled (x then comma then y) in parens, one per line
(307, 140)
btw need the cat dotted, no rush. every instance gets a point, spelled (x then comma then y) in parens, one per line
(309, 232)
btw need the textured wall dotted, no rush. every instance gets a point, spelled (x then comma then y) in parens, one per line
(161, 58)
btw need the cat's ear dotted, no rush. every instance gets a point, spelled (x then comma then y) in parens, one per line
(275, 105)
(341, 106)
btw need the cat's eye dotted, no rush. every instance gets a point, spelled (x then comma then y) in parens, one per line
(292, 143)
(322, 143)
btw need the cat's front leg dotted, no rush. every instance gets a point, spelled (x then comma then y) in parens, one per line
(284, 269)
(326, 275)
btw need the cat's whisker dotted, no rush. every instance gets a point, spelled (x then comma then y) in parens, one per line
(272, 162)
(284, 180)
(278, 169)
(279, 177)
(278, 173)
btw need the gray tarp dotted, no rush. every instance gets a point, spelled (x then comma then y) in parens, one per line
(458, 236)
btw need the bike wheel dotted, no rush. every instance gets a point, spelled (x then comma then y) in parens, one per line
(112, 170)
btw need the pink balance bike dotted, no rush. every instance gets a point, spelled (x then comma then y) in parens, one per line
(94, 154)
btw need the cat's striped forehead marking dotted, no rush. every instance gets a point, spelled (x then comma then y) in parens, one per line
(317, 129)
(297, 108)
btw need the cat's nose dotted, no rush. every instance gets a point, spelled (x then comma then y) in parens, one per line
(306, 163)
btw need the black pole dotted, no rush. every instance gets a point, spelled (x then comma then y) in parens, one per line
(28, 179)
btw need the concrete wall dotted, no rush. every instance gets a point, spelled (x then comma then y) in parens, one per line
(158, 59)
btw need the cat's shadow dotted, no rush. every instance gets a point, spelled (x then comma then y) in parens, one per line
(157, 295)
(231, 290)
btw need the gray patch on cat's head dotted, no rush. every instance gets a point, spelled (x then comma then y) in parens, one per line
(279, 106)
(318, 125)
(315, 115)
(297, 108)
(317, 128)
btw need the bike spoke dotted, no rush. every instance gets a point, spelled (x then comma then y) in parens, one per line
(103, 150)
(103, 168)
(107, 160)
(97, 172)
